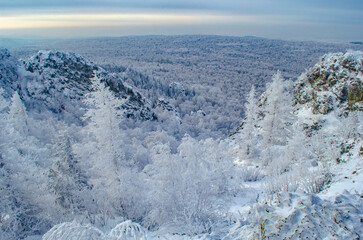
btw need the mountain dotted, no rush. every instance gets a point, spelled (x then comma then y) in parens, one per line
(216, 72)
(307, 186)
(291, 171)
(59, 81)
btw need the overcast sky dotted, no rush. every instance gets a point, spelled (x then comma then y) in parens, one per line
(321, 20)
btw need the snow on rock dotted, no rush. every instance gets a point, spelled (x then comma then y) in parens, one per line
(336, 81)
(8, 72)
(165, 105)
(74, 231)
(302, 216)
(128, 230)
(58, 81)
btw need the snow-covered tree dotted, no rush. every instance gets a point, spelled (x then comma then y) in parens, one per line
(67, 181)
(23, 188)
(278, 118)
(294, 155)
(104, 118)
(247, 136)
(101, 152)
(3, 103)
(18, 115)
(9, 225)
(297, 150)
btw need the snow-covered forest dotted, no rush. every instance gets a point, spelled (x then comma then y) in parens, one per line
(205, 79)
(118, 150)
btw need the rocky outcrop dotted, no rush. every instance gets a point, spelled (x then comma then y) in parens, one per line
(333, 83)
(59, 81)
(165, 105)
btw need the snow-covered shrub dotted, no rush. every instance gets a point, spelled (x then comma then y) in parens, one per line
(186, 186)
(316, 181)
(288, 182)
(74, 231)
(9, 225)
(250, 173)
(299, 179)
(128, 230)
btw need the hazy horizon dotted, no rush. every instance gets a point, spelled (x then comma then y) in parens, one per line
(332, 21)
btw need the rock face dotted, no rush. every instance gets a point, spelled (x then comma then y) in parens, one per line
(8, 72)
(333, 83)
(58, 81)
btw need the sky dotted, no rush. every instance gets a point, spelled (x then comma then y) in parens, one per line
(321, 20)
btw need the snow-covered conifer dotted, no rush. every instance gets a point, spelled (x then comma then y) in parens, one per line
(66, 179)
(17, 114)
(278, 117)
(247, 136)
(22, 175)
(101, 151)
(104, 118)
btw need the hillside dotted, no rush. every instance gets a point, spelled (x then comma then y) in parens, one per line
(319, 192)
(86, 156)
(58, 82)
(216, 72)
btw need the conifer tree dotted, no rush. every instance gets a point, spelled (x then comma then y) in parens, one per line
(247, 136)
(102, 152)
(21, 160)
(17, 114)
(278, 117)
(66, 179)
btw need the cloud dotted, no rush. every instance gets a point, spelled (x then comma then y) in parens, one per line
(236, 5)
(188, 16)
(348, 11)
(134, 19)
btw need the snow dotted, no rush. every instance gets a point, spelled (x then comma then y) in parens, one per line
(290, 176)
(127, 231)
(34, 237)
(299, 216)
(74, 231)
(348, 176)
(333, 213)
(241, 205)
